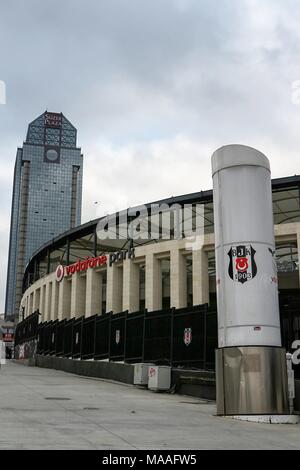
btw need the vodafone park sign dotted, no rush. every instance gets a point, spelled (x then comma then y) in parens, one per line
(98, 261)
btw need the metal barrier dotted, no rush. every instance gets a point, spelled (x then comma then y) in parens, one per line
(189, 337)
(102, 336)
(158, 332)
(68, 338)
(117, 336)
(77, 337)
(59, 339)
(185, 337)
(179, 337)
(88, 337)
(27, 330)
(41, 338)
(135, 333)
(290, 322)
(53, 333)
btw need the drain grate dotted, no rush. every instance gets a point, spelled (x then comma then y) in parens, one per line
(57, 398)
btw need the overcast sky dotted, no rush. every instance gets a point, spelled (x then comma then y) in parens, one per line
(153, 87)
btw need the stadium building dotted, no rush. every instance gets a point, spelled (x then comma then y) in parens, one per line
(79, 274)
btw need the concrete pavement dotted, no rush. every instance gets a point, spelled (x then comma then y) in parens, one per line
(49, 409)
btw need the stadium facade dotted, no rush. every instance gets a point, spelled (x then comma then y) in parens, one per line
(80, 274)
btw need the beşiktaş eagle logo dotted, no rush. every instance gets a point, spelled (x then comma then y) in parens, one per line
(242, 265)
(187, 336)
(118, 336)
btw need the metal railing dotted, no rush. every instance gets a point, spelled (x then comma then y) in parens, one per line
(184, 337)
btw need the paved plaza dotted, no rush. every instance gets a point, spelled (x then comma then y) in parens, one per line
(49, 409)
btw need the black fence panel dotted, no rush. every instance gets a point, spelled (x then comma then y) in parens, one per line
(102, 336)
(157, 342)
(68, 337)
(180, 337)
(27, 329)
(17, 336)
(117, 336)
(53, 330)
(77, 337)
(32, 326)
(41, 338)
(189, 337)
(289, 302)
(211, 339)
(59, 341)
(88, 337)
(47, 337)
(134, 347)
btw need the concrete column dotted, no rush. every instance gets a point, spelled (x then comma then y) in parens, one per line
(200, 277)
(93, 301)
(48, 296)
(114, 288)
(26, 306)
(30, 306)
(178, 279)
(298, 246)
(64, 299)
(153, 283)
(36, 299)
(131, 277)
(54, 300)
(42, 303)
(78, 295)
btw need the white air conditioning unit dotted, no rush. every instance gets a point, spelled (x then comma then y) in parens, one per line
(159, 378)
(141, 373)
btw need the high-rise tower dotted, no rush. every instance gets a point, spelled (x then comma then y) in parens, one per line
(47, 195)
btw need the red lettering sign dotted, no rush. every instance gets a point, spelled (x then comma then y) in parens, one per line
(85, 264)
(53, 119)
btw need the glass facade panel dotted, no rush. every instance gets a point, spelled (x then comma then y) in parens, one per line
(104, 287)
(57, 257)
(82, 248)
(286, 205)
(212, 278)
(42, 267)
(107, 246)
(189, 280)
(165, 276)
(287, 265)
(211, 264)
(209, 218)
(142, 287)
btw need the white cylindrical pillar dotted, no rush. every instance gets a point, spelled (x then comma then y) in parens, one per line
(247, 287)
(251, 374)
